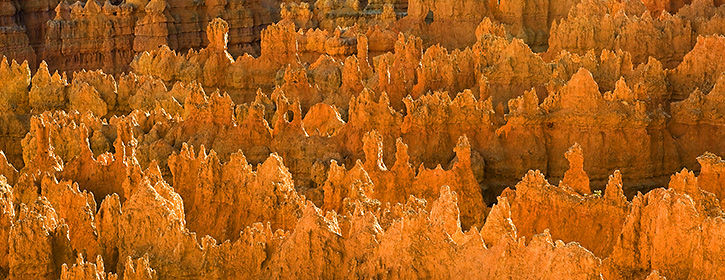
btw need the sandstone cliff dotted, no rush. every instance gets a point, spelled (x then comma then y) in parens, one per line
(361, 139)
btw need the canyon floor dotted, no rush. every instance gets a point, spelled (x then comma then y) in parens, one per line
(362, 139)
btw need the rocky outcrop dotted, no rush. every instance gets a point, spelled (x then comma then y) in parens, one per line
(233, 195)
(575, 177)
(698, 118)
(350, 140)
(710, 178)
(90, 36)
(594, 221)
(700, 68)
(76, 35)
(14, 41)
(507, 69)
(156, 28)
(696, 233)
(571, 109)
(613, 26)
(131, 229)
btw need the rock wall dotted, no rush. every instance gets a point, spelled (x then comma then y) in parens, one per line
(76, 35)
(348, 142)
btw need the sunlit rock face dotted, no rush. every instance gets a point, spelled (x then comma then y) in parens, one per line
(226, 139)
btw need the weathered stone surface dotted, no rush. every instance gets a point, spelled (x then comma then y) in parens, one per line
(77, 35)
(355, 140)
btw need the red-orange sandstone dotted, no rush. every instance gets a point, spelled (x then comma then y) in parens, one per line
(436, 139)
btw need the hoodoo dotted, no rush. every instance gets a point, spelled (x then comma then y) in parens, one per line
(405, 139)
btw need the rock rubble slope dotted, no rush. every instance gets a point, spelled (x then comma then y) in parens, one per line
(434, 139)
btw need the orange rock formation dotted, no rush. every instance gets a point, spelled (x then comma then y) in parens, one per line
(228, 139)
